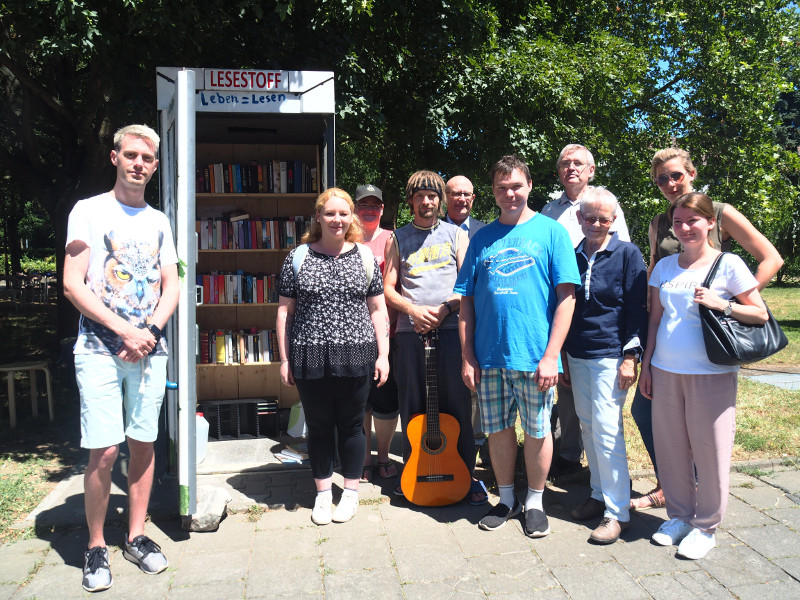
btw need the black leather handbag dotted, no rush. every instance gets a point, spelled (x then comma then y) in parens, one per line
(731, 342)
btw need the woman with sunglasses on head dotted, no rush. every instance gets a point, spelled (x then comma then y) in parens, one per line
(693, 399)
(673, 172)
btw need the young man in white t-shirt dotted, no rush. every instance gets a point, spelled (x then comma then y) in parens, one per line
(120, 272)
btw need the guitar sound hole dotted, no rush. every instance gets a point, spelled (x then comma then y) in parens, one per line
(434, 445)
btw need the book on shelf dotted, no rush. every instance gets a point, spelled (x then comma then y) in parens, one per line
(246, 233)
(243, 346)
(291, 176)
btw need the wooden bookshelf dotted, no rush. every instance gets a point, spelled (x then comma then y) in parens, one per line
(230, 382)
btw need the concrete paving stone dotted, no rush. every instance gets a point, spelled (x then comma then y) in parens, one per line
(441, 559)
(658, 558)
(739, 565)
(288, 543)
(790, 565)
(131, 582)
(511, 573)
(560, 550)
(218, 589)
(286, 577)
(235, 532)
(738, 479)
(446, 589)
(398, 508)
(366, 523)
(741, 514)
(464, 515)
(20, 558)
(309, 596)
(788, 516)
(58, 581)
(360, 584)
(778, 590)
(599, 582)
(762, 497)
(691, 584)
(285, 519)
(354, 554)
(474, 541)
(771, 541)
(7, 590)
(417, 532)
(210, 566)
(786, 478)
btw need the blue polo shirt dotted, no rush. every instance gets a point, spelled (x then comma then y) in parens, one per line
(610, 302)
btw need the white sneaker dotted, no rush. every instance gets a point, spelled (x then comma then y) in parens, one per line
(671, 532)
(321, 515)
(346, 509)
(697, 544)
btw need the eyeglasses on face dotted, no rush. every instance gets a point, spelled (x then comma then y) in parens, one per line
(602, 220)
(460, 194)
(676, 176)
(566, 164)
(367, 206)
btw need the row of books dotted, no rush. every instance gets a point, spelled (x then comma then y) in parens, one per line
(272, 177)
(220, 347)
(243, 233)
(238, 288)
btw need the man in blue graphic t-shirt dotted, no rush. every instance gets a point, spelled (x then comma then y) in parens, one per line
(517, 284)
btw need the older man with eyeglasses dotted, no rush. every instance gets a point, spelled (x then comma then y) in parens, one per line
(575, 170)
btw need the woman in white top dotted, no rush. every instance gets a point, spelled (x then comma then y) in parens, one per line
(672, 170)
(693, 399)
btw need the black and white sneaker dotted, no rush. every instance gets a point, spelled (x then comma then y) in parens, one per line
(96, 571)
(499, 515)
(146, 553)
(536, 523)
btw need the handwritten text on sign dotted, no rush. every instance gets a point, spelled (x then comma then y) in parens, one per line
(228, 79)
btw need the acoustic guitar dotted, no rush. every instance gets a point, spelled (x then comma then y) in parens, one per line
(435, 474)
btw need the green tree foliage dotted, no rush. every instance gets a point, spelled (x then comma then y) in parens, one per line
(444, 84)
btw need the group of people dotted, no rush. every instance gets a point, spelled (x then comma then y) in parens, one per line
(520, 305)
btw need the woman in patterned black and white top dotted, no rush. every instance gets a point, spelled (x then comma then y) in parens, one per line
(333, 337)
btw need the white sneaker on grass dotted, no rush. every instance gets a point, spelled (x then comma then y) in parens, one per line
(697, 544)
(671, 532)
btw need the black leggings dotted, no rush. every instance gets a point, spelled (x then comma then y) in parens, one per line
(334, 407)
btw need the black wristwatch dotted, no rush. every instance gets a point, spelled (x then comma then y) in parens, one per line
(155, 331)
(449, 308)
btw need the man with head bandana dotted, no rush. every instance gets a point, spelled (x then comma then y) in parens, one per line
(422, 262)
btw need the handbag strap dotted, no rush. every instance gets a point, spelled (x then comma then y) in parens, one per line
(713, 270)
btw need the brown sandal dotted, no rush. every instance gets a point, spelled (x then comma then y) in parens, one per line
(652, 499)
(387, 470)
(366, 474)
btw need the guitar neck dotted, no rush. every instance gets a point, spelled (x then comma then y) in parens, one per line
(431, 388)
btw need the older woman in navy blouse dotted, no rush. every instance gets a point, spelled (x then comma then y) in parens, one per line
(333, 338)
(603, 349)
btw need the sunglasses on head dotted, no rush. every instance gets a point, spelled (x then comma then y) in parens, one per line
(675, 176)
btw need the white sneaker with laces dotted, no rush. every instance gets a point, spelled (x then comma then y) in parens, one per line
(671, 532)
(346, 509)
(321, 515)
(697, 544)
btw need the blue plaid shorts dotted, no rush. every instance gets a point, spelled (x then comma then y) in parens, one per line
(505, 392)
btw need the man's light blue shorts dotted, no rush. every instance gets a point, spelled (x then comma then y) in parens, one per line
(504, 392)
(119, 398)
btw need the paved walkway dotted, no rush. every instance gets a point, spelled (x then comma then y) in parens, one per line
(394, 550)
